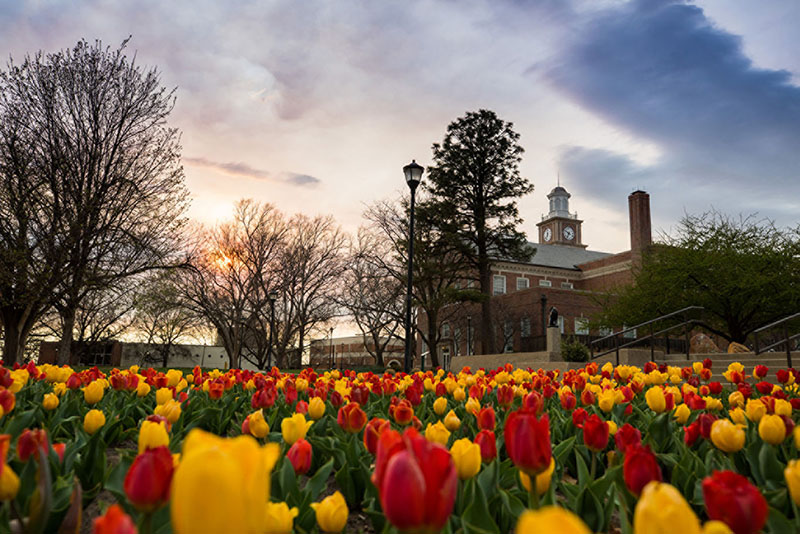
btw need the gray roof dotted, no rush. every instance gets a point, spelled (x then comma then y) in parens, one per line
(563, 256)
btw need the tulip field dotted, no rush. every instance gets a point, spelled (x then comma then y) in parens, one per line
(600, 449)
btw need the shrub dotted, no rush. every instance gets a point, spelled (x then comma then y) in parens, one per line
(573, 350)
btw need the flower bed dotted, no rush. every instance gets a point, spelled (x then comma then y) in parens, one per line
(489, 451)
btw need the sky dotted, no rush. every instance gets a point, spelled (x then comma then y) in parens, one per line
(316, 106)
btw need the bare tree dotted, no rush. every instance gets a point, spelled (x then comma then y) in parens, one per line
(233, 271)
(312, 264)
(103, 172)
(371, 294)
(164, 316)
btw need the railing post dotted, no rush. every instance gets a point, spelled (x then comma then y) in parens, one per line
(652, 344)
(616, 346)
(755, 334)
(666, 343)
(686, 338)
(788, 345)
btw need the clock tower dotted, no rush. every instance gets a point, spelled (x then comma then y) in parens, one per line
(560, 227)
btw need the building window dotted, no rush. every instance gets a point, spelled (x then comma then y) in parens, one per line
(582, 326)
(522, 283)
(456, 340)
(445, 330)
(566, 285)
(561, 323)
(525, 327)
(606, 331)
(629, 335)
(545, 283)
(508, 336)
(499, 284)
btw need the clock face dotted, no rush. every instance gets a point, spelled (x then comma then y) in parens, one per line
(548, 234)
(569, 233)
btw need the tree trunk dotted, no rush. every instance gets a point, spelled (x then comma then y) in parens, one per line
(301, 334)
(376, 339)
(68, 326)
(13, 343)
(487, 336)
(433, 338)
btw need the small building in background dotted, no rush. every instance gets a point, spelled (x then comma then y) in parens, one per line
(351, 351)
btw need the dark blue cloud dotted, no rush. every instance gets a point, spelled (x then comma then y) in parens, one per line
(662, 71)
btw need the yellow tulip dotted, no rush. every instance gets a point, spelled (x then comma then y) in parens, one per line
(173, 377)
(163, 395)
(50, 402)
(316, 408)
(736, 399)
(697, 367)
(716, 527)
(612, 428)
(459, 394)
(170, 409)
(772, 429)
(755, 410)
(440, 406)
(331, 513)
(60, 388)
(9, 484)
(796, 435)
(473, 405)
(663, 510)
(143, 389)
(437, 433)
(783, 407)
(726, 436)
(280, 518)
(294, 428)
(467, 457)
(792, 475)
(655, 399)
(606, 400)
(550, 519)
(93, 421)
(682, 413)
(152, 435)
(236, 469)
(258, 426)
(93, 393)
(451, 421)
(543, 479)
(737, 416)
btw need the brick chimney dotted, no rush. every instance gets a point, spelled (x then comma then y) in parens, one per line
(639, 220)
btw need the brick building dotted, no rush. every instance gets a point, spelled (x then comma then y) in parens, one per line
(563, 273)
(350, 351)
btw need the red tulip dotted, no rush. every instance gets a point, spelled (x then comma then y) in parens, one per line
(7, 400)
(299, 455)
(627, 436)
(148, 479)
(373, 431)
(783, 376)
(587, 397)
(29, 441)
(264, 398)
(691, 433)
(74, 381)
(403, 412)
(595, 433)
(60, 449)
(528, 441)
(578, 417)
(360, 394)
(216, 389)
(715, 388)
(640, 468)
(505, 396)
(706, 420)
(765, 388)
(114, 522)
(732, 499)
(486, 418)
(351, 418)
(416, 481)
(487, 441)
(336, 399)
(533, 402)
(761, 371)
(568, 401)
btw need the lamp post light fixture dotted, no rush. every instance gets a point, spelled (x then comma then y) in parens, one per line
(272, 296)
(413, 173)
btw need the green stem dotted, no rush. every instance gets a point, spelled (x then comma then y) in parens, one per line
(533, 495)
(146, 523)
(593, 470)
(625, 516)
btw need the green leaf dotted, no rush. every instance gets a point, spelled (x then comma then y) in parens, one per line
(316, 483)
(583, 471)
(476, 518)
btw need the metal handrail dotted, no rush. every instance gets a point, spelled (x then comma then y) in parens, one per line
(651, 336)
(786, 337)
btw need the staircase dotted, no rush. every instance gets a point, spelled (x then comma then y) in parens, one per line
(773, 360)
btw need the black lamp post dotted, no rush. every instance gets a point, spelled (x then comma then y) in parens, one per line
(469, 335)
(330, 338)
(413, 174)
(273, 296)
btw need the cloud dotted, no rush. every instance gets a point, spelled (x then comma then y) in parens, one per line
(243, 169)
(661, 71)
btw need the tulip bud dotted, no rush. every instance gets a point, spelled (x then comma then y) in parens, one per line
(451, 421)
(437, 433)
(682, 413)
(543, 479)
(656, 399)
(143, 389)
(727, 436)
(661, 509)
(732, 499)
(152, 435)
(372, 431)
(316, 408)
(294, 428)
(50, 402)
(640, 468)
(792, 475)
(440, 406)
(115, 521)
(550, 519)
(29, 442)
(595, 433)
(93, 393)
(331, 513)
(467, 457)
(772, 429)
(257, 425)
(280, 518)
(486, 418)
(487, 442)
(148, 479)
(351, 417)
(527, 440)
(93, 421)
(299, 455)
